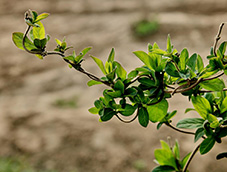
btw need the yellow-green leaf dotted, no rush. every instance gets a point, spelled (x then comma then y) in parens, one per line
(39, 32)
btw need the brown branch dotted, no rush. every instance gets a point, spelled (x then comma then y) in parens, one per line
(133, 119)
(218, 37)
(181, 131)
(190, 158)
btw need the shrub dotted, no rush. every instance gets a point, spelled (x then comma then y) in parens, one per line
(144, 92)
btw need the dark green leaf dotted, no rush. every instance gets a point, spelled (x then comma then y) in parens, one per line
(190, 123)
(164, 168)
(147, 82)
(40, 43)
(127, 110)
(158, 111)
(133, 74)
(222, 48)
(119, 85)
(171, 69)
(198, 134)
(106, 114)
(192, 62)
(131, 92)
(34, 15)
(213, 85)
(222, 132)
(207, 145)
(143, 116)
(202, 106)
(189, 109)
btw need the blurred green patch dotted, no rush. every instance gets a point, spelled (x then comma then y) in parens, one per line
(66, 103)
(145, 28)
(17, 165)
(140, 165)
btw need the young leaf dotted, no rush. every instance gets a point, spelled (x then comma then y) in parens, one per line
(93, 110)
(190, 123)
(206, 145)
(183, 59)
(58, 41)
(224, 105)
(41, 17)
(192, 62)
(18, 39)
(39, 32)
(176, 150)
(119, 85)
(82, 54)
(92, 82)
(213, 85)
(121, 72)
(111, 56)
(99, 63)
(158, 111)
(143, 116)
(214, 123)
(200, 65)
(146, 81)
(169, 45)
(202, 106)
(185, 159)
(144, 57)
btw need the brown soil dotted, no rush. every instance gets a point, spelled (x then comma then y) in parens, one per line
(70, 139)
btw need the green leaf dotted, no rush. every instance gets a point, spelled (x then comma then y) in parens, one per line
(145, 58)
(159, 51)
(18, 39)
(143, 116)
(71, 58)
(34, 15)
(164, 168)
(192, 62)
(119, 85)
(99, 63)
(165, 157)
(40, 43)
(93, 110)
(222, 48)
(58, 41)
(185, 159)
(198, 134)
(114, 94)
(224, 105)
(158, 111)
(183, 59)
(200, 65)
(190, 123)
(171, 70)
(189, 109)
(176, 150)
(82, 54)
(111, 56)
(106, 114)
(127, 110)
(213, 85)
(133, 74)
(207, 145)
(92, 82)
(169, 45)
(146, 81)
(121, 72)
(39, 32)
(214, 123)
(202, 106)
(41, 17)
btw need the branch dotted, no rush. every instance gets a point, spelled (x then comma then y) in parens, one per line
(133, 119)
(181, 131)
(206, 79)
(218, 37)
(190, 158)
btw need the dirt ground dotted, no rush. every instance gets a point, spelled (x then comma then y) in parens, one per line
(71, 139)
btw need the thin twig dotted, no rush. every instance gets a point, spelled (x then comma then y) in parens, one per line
(133, 119)
(181, 131)
(190, 158)
(218, 37)
(206, 79)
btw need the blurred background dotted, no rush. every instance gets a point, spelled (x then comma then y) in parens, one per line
(44, 120)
